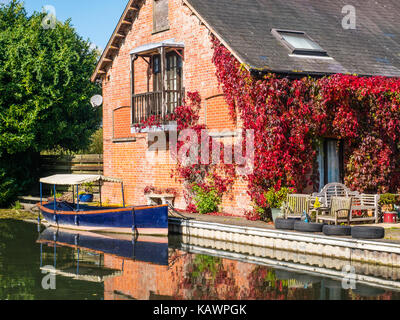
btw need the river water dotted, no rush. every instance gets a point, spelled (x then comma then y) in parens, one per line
(58, 264)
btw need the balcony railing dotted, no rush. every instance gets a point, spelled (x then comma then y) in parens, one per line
(149, 104)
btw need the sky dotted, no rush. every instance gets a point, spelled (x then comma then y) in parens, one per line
(92, 19)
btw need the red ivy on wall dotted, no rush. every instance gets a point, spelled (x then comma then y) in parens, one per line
(207, 176)
(289, 116)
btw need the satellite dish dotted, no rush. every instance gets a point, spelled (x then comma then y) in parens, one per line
(96, 101)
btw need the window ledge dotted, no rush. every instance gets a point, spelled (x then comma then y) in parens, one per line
(161, 30)
(163, 127)
(123, 140)
(303, 56)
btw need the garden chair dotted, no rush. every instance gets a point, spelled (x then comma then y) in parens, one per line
(366, 202)
(334, 189)
(338, 212)
(295, 205)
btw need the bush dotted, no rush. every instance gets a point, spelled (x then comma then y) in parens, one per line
(275, 198)
(96, 142)
(388, 199)
(8, 189)
(18, 174)
(17, 206)
(88, 187)
(206, 201)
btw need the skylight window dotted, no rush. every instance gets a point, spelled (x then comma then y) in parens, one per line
(299, 43)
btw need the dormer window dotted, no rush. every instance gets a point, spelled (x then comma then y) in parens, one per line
(299, 43)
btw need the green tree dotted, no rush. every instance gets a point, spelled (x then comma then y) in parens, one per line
(45, 92)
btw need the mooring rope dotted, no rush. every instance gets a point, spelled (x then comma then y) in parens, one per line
(178, 213)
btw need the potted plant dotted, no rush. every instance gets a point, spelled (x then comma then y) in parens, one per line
(86, 195)
(59, 196)
(275, 200)
(387, 202)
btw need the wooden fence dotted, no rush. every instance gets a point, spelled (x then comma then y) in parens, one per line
(77, 164)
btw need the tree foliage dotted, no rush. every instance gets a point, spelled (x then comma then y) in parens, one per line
(45, 92)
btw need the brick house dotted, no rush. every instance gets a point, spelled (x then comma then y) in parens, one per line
(161, 49)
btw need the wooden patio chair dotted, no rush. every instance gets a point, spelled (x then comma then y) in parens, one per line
(295, 205)
(366, 202)
(334, 189)
(338, 212)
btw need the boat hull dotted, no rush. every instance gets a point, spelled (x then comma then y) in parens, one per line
(144, 220)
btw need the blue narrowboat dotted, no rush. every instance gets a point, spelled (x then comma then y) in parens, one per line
(150, 220)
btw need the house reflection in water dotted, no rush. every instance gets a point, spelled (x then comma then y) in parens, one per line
(146, 268)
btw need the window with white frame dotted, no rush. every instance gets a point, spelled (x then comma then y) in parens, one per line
(299, 43)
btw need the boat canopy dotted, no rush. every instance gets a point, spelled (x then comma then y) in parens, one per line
(77, 179)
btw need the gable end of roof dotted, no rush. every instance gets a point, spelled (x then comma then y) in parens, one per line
(120, 32)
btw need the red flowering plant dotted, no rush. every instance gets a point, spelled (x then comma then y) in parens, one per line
(152, 121)
(289, 116)
(206, 182)
(202, 180)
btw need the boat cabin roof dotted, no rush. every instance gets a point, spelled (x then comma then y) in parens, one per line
(77, 179)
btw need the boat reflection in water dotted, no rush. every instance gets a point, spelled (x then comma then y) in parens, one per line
(92, 251)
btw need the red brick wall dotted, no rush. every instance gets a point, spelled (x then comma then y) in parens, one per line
(131, 161)
(121, 119)
(139, 279)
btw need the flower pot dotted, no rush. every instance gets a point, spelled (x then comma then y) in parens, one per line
(390, 217)
(86, 197)
(275, 212)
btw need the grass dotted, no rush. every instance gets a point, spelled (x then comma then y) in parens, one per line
(17, 214)
(392, 234)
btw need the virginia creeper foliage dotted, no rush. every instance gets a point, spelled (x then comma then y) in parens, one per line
(289, 116)
(205, 181)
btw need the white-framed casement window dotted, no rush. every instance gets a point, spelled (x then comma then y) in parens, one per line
(299, 43)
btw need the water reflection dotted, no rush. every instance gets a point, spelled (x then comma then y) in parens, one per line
(147, 268)
(20, 274)
(94, 266)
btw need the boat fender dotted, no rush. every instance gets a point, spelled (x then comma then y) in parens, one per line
(76, 239)
(76, 220)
